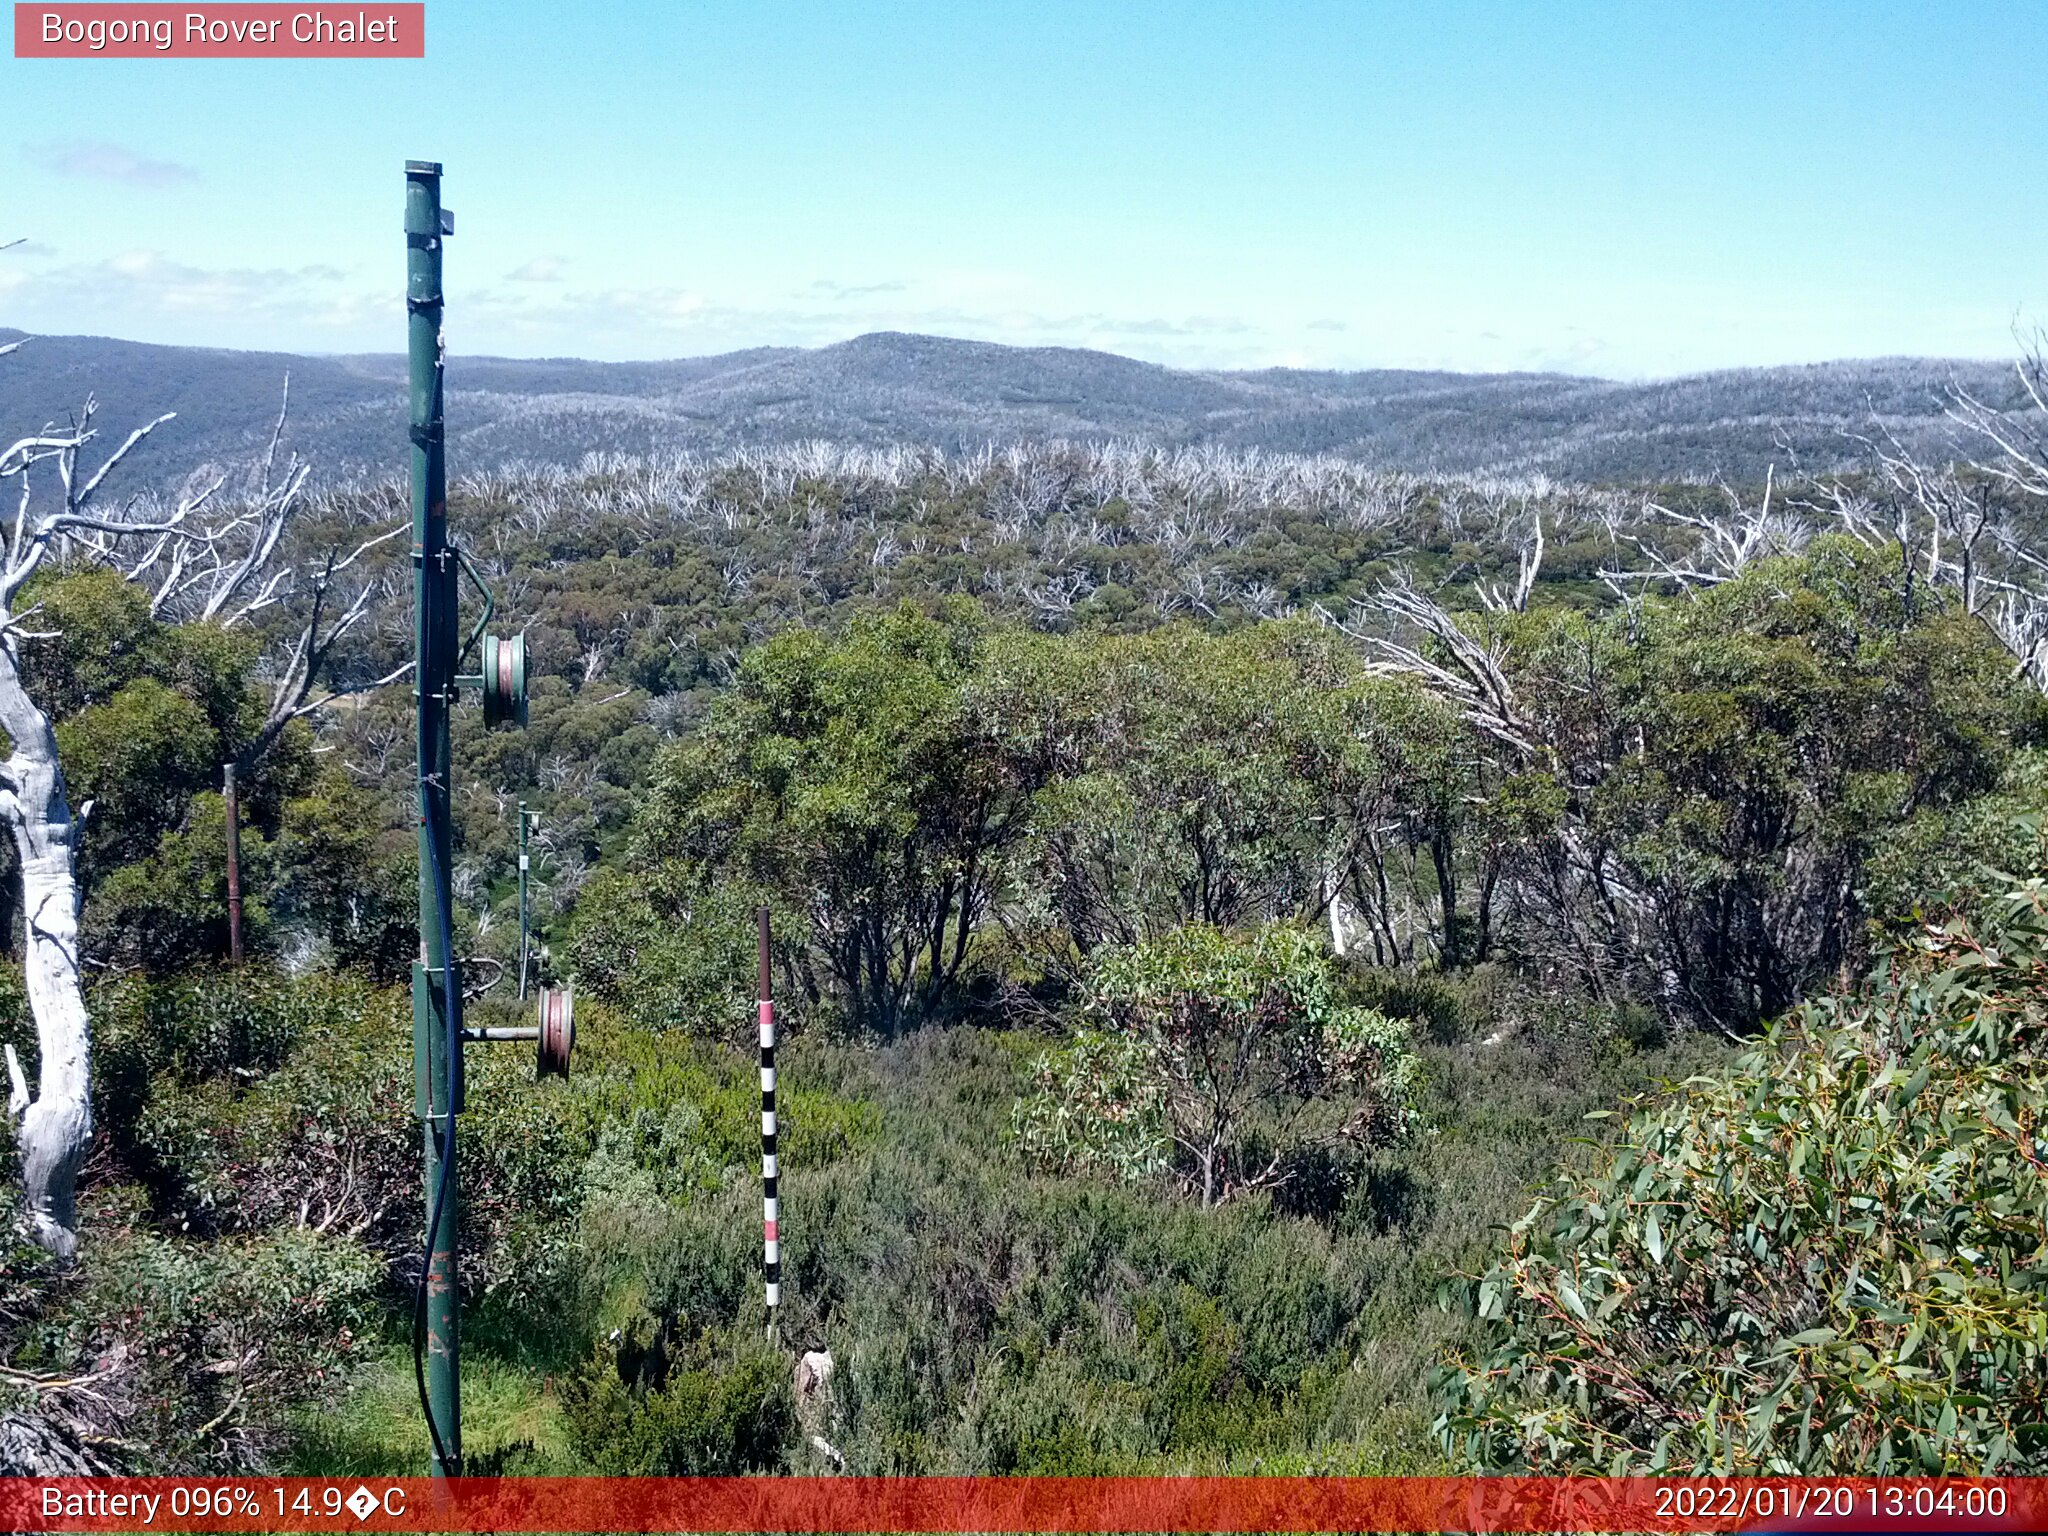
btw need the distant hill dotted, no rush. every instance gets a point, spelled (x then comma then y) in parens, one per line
(348, 412)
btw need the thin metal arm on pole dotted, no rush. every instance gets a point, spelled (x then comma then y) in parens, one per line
(483, 620)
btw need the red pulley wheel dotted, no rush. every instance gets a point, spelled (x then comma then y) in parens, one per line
(557, 1031)
(504, 680)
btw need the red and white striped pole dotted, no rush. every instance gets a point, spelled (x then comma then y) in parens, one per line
(771, 1237)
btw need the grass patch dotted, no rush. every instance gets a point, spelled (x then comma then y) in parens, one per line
(511, 1423)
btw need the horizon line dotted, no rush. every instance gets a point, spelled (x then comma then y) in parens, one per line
(1928, 360)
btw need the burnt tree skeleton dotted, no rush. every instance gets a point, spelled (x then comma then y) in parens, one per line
(1972, 525)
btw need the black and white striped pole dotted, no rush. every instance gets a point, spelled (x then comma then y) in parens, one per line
(771, 1229)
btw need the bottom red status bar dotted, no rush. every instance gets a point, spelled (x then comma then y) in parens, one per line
(1034, 1504)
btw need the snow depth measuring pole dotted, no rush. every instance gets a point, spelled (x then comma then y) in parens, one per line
(771, 1215)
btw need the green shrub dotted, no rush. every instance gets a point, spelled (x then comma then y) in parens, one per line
(1096, 1108)
(1434, 1002)
(648, 1406)
(668, 956)
(1946, 860)
(1228, 1058)
(247, 1100)
(195, 1353)
(671, 1105)
(1827, 1259)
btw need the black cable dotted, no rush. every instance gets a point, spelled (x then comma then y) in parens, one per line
(445, 921)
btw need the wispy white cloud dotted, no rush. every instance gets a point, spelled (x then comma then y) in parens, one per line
(144, 281)
(539, 308)
(542, 269)
(1193, 325)
(99, 160)
(826, 287)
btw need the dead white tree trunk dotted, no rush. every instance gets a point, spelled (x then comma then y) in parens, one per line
(219, 571)
(1723, 546)
(55, 1124)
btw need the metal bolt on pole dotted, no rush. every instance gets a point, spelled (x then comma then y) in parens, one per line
(437, 991)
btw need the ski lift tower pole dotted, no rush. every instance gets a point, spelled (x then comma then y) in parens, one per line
(437, 991)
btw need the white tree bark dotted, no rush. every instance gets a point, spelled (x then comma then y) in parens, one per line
(219, 572)
(53, 1128)
(1338, 911)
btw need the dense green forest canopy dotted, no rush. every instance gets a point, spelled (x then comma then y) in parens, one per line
(1193, 957)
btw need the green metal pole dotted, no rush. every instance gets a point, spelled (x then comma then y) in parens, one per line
(436, 1037)
(231, 794)
(524, 946)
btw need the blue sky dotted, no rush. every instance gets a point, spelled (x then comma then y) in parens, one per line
(1622, 189)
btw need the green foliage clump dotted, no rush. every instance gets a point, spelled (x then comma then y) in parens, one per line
(179, 1353)
(243, 1099)
(146, 713)
(243, 1102)
(1828, 1258)
(843, 777)
(1951, 860)
(1095, 1107)
(941, 813)
(651, 1405)
(336, 875)
(673, 951)
(1185, 777)
(1733, 760)
(636, 1081)
(1229, 1057)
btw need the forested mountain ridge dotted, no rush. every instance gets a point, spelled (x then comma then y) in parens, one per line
(889, 388)
(1465, 808)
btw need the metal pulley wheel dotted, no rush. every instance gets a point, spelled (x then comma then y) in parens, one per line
(557, 1031)
(504, 680)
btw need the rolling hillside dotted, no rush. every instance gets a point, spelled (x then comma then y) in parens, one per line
(887, 387)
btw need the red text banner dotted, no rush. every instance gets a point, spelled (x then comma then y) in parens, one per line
(118, 31)
(1033, 1504)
